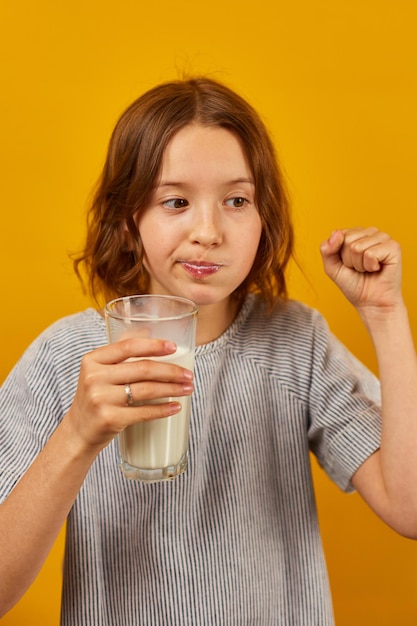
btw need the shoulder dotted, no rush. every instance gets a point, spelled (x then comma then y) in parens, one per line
(67, 339)
(84, 327)
(288, 313)
(289, 325)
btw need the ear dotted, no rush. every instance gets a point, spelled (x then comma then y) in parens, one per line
(127, 229)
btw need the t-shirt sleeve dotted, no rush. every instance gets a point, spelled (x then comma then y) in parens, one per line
(40, 389)
(344, 408)
(30, 410)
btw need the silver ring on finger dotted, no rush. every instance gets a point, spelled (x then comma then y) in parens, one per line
(129, 395)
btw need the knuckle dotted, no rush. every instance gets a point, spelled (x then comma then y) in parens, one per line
(107, 419)
(144, 391)
(90, 380)
(96, 400)
(145, 367)
(86, 362)
(126, 348)
(356, 247)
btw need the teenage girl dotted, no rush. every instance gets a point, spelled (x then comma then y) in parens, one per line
(191, 203)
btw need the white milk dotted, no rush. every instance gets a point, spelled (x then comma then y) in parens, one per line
(161, 442)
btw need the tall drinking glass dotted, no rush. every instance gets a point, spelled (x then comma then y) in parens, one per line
(157, 449)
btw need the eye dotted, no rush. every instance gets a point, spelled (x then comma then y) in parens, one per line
(175, 203)
(237, 203)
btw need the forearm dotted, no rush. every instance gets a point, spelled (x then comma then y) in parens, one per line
(397, 362)
(33, 514)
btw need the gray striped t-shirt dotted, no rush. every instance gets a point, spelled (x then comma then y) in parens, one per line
(234, 540)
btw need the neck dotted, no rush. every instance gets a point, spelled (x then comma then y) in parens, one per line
(214, 319)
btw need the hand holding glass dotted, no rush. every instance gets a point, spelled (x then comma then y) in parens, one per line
(157, 449)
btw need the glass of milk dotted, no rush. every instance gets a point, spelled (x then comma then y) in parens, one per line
(157, 449)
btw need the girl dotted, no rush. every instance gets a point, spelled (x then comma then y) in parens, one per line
(191, 203)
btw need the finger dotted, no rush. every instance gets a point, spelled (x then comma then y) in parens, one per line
(99, 387)
(364, 237)
(106, 400)
(380, 255)
(330, 252)
(148, 370)
(115, 419)
(147, 412)
(363, 251)
(359, 231)
(145, 392)
(332, 245)
(132, 348)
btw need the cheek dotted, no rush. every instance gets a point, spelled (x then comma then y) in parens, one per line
(157, 250)
(251, 242)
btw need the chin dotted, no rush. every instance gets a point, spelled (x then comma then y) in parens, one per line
(202, 300)
(201, 294)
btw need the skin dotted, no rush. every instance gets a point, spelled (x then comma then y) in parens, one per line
(203, 209)
(207, 240)
(366, 266)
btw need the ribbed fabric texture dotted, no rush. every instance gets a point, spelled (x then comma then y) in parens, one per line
(234, 540)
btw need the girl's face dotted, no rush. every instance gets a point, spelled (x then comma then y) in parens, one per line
(201, 230)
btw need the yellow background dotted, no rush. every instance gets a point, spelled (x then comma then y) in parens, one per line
(336, 84)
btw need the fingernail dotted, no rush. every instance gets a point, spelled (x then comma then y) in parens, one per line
(174, 407)
(169, 345)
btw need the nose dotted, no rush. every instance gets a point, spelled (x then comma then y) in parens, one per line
(206, 227)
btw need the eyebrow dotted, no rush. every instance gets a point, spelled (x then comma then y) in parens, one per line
(176, 183)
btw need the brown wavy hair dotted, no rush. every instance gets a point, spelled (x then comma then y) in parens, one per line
(113, 263)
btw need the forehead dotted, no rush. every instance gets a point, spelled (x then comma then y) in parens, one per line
(214, 148)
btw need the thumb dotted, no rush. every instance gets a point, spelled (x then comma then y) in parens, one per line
(330, 252)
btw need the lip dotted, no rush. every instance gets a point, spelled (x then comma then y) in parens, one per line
(200, 269)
